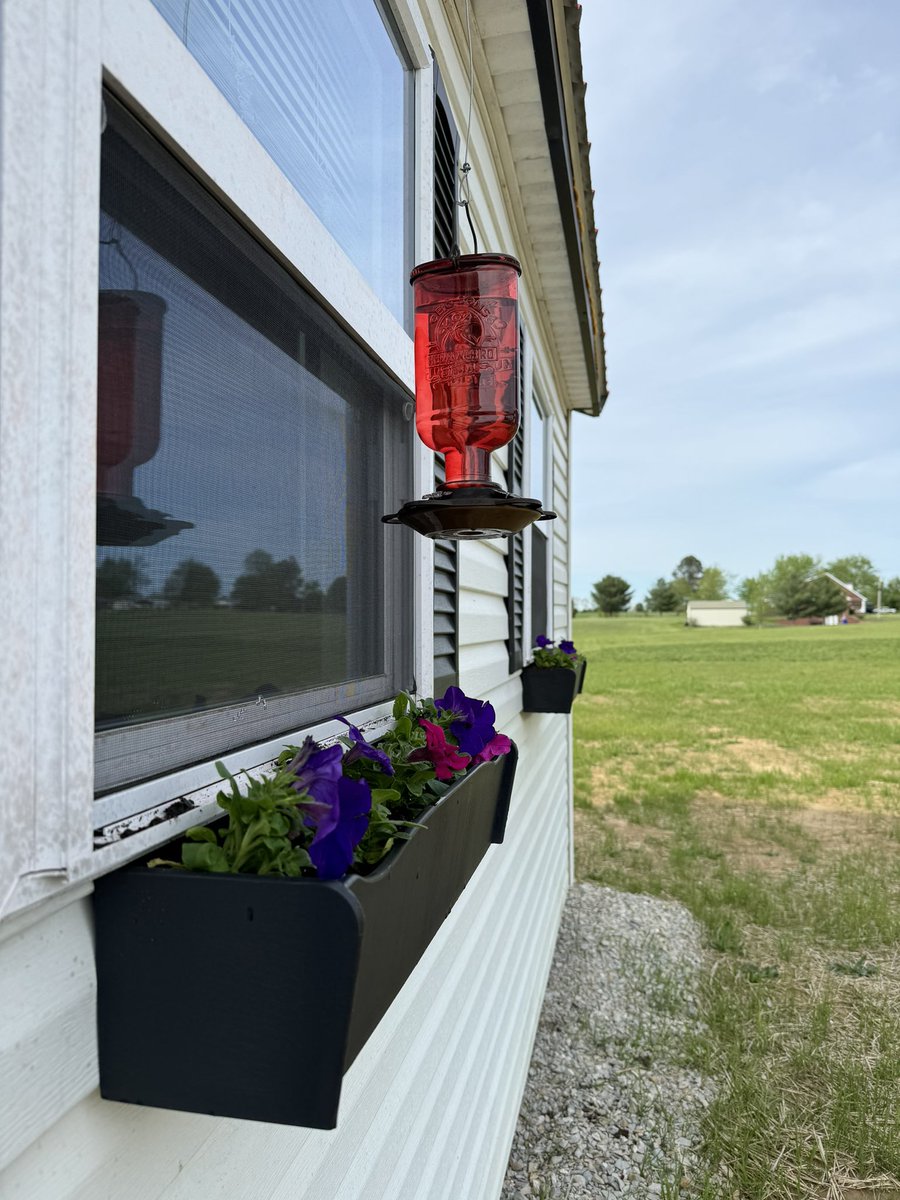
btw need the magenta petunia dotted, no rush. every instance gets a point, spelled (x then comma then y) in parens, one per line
(445, 759)
(496, 748)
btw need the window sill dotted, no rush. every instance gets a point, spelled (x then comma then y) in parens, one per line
(135, 820)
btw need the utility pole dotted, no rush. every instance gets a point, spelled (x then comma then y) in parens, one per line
(878, 604)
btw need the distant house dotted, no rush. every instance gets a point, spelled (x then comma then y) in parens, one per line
(716, 613)
(856, 601)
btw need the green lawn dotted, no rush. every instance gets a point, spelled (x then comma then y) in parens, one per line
(754, 774)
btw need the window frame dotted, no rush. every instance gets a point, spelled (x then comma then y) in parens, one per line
(48, 306)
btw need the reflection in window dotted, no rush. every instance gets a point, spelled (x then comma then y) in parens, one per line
(246, 451)
(321, 86)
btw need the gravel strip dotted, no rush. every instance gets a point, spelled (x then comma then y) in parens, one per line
(606, 1112)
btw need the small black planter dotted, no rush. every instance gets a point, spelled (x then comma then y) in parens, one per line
(249, 997)
(582, 671)
(549, 689)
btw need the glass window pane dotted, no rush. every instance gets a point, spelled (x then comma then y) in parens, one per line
(323, 89)
(247, 449)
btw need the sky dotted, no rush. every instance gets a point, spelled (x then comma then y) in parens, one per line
(746, 161)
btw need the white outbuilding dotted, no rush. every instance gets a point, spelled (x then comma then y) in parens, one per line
(719, 614)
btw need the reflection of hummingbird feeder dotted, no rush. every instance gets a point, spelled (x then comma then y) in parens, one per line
(467, 394)
(129, 388)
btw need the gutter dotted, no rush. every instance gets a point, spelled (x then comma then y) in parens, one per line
(546, 57)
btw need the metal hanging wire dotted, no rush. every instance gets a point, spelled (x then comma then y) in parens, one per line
(465, 200)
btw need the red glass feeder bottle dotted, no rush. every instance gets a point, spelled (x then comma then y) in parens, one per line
(467, 394)
(129, 400)
(129, 384)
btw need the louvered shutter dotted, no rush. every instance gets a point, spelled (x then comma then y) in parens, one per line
(446, 554)
(515, 559)
(446, 149)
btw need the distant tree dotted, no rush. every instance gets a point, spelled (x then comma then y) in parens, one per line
(859, 572)
(192, 584)
(639, 608)
(268, 585)
(611, 595)
(686, 578)
(712, 585)
(119, 579)
(788, 581)
(313, 598)
(755, 591)
(336, 595)
(890, 593)
(662, 597)
(689, 570)
(820, 598)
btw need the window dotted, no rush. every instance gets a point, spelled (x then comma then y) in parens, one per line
(247, 448)
(540, 542)
(323, 89)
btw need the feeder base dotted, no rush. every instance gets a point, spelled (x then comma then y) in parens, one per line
(469, 514)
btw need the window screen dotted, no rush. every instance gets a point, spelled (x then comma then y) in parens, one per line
(321, 86)
(247, 448)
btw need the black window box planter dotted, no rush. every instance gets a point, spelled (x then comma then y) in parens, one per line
(551, 689)
(243, 996)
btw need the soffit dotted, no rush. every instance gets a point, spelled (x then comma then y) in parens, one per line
(515, 107)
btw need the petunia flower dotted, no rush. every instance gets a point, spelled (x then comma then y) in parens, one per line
(543, 641)
(444, 758)
(474, 726)
(568, 648)
(495, 748)
(363, 749)
(331, 850)
(317, 774)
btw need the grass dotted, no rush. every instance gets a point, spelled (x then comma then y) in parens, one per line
(754, 775)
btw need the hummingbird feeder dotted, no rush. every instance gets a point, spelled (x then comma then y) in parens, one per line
(467, 395)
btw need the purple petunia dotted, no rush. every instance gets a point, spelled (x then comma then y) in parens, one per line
(543, 641)
(331, 850)
(318, 773)
(474, 726)
(363, 749)
(568, 648)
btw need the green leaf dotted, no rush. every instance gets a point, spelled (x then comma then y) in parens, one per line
(204, 857)
(202, 833)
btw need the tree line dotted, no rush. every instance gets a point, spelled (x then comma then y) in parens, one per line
(266, 585)
(797, 585)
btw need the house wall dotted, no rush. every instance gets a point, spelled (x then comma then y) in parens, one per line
(429, 1106)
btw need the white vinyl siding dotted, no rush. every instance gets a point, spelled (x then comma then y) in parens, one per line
(451, 1055)
(429, 1107)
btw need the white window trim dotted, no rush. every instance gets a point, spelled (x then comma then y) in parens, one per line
(54, 62)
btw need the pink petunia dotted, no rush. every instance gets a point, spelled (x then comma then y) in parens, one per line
(445, 759)
(496, 748)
